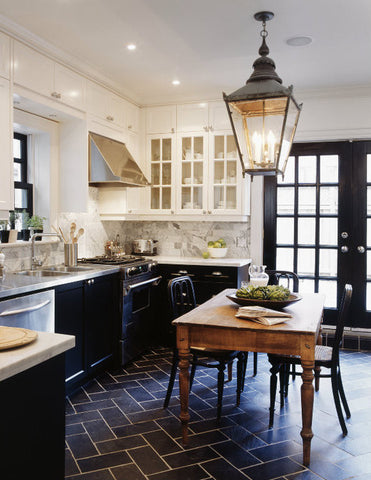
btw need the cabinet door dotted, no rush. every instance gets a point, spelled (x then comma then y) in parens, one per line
(101, 317)
(96, 100)
(218, 117)
(6, 160)
(132, 117)
(33, 70)
(116, 110)
(192, 173)
(161, 119)
(69, 319)
(4, 55)
(161, 155)
(193, 117)
(70, 86)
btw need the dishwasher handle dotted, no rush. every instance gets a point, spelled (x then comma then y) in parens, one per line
(6, 313)
(154, 281)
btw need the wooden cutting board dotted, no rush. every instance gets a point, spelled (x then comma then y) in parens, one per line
(11, 337)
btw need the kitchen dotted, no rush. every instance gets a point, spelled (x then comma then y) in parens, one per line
(146, 122)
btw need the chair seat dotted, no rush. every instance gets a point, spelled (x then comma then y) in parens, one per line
(322, 357)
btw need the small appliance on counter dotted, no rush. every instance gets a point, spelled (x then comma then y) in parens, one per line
(144, 247)
(113, 248)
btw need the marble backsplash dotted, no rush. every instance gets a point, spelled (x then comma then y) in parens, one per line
(186, 238)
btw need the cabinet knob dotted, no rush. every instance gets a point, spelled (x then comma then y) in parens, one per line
(209, 212)
(173, 130)
(56, 95)
(130, 211)
(130, 127)
(183, 272)
(172, 212)
(206, 128)
(216, 273)
(211, 128)
(109, 118)
(204, 212)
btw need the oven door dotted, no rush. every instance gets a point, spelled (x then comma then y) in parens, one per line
(139, 307)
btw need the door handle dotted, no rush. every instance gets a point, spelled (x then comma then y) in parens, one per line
(361, 249)
(344, 249)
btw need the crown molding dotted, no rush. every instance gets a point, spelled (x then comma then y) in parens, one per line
(79, 65)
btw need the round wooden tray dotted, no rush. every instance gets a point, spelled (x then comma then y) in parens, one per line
(12, 337)
(294, 297)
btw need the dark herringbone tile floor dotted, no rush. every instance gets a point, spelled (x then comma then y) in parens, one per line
(116, 428)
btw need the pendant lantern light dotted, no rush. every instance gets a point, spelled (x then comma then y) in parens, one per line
(263, 115)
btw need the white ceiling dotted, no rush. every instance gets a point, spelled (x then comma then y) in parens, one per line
(209, 45)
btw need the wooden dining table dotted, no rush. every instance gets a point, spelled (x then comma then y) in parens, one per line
(214, 324)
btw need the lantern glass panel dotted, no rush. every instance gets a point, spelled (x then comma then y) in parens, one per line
(288, 134)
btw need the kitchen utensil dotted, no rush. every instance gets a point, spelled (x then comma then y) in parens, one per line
(79, 234)
(64, 238)
(147, 247)
(70, 254)
(72, 231)
(294, 297)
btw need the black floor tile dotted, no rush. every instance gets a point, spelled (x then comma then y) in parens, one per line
(117, 428)
(148, 460)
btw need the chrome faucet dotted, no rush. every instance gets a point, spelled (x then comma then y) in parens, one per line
(34, 262)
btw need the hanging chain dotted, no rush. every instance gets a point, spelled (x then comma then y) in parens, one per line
(264, 32)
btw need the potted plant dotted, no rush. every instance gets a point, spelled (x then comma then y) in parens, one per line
(13, 220)
(36, 225)
(4, 231)
(24, 234)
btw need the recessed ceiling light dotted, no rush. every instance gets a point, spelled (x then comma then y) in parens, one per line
(131, 46)
(175, 82)
(299, 41)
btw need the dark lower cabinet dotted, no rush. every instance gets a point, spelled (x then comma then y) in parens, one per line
(208, 280)
(89, 310)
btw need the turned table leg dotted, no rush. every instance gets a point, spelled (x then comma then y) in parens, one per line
(184, 356)
(307, 394)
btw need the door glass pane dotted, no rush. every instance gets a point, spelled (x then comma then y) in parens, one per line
(155, 173)
(368, 200)
(199, 147)
(329, 169)
(289, 176)
(166, 198)
(306, 231)
(186, 198)
(285, 200)
(219, 197)
(306, 261)
(328, 231)
(155, 198)
(231, 147)
(329, 289)
(368, 272)
(197, 198)
(166, 149)
(231, 194)
(368, 296)
(307, 169)
(329, 200)
(186, 148)
(166, 173)
(198, 172)
(219, 171)
(328, 260)
(186, 173)
(155, 150)
(219, 146)
(306, 285)
(369, 232)
(307, 200)
(285, 259)
(231, 171)
(285, 231)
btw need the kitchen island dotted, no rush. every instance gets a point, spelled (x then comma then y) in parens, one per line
(32, 415)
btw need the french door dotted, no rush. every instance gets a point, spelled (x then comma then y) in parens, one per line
(318, 223)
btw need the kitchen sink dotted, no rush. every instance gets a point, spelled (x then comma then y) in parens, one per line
(42, 273)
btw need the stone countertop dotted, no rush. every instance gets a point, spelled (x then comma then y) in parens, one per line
(221, 262)
(46, 346)
(14, 284)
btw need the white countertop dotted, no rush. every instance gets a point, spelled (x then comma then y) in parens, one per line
(46, 346)
(221, 262)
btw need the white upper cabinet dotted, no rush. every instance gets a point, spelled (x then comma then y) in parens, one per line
(4, 56)
(106, 105)
(202, 116)
(161, 119)
(6, 158)
(132, 117)
(46, 77)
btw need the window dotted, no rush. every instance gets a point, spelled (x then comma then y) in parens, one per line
(23, 201)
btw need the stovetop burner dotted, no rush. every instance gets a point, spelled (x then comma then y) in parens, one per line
(118, 260)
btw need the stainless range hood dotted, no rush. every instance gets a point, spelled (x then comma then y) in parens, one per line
(111, 164)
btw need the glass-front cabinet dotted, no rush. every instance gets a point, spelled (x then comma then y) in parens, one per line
(194, 163)
(224, 194)
(162, 173)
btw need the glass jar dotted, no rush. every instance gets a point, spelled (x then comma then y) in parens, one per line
(258, 277)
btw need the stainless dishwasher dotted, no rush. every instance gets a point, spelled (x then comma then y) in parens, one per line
(34, 311)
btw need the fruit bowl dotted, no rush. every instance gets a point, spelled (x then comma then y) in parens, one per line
(217, 252)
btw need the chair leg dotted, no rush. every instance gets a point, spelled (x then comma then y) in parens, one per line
(240, 371)
(335, 392)
(230, 365)
(221, 369)
(246, 356)
(342, 395)
(255, 363)
(273, 388)
(317, 371)
(287, 378)
(293, 371)
(174, 368)
(283, 379)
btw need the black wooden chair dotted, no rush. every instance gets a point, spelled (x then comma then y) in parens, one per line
(327, 357)
(182, 299)
(287, 279)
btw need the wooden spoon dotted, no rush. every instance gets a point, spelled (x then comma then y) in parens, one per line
(72, 232)
(79, 233)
